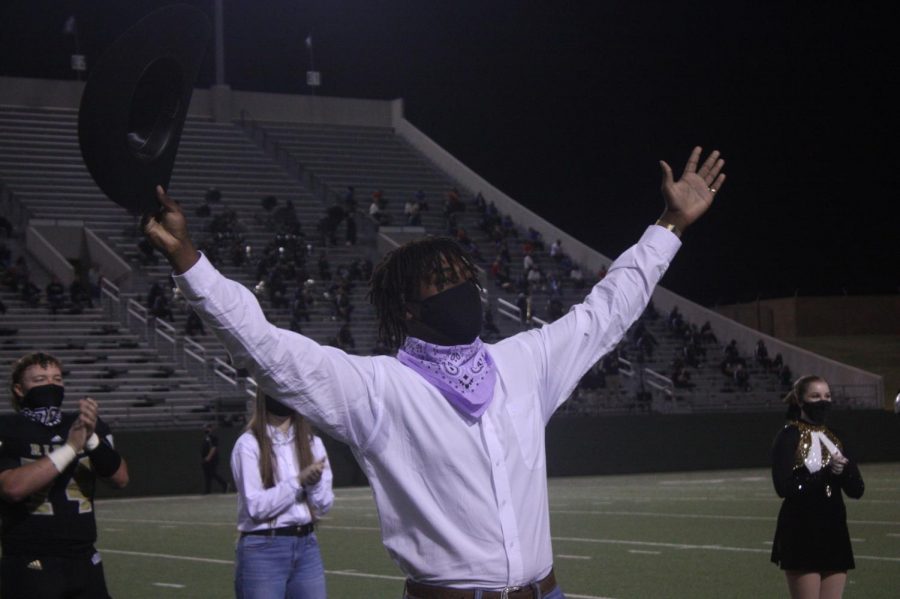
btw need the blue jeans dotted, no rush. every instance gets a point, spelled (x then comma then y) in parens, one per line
(556, 593)
(279, 568)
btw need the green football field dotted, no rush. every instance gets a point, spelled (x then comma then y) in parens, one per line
(699, 534)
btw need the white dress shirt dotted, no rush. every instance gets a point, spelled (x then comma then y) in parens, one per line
(260, 508)
(462, 503)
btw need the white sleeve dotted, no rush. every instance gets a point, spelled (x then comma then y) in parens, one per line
(262, 504)
(320, 495)
(566, 349)
(334, 390)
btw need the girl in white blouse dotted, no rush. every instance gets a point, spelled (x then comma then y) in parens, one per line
(284, 483)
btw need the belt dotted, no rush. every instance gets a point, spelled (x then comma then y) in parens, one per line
(417, 590)
(300, 530)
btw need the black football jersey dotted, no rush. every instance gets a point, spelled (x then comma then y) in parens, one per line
(57, 520)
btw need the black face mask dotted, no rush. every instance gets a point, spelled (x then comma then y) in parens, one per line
(276, 408)
(451, 317)
(44, 396)
(816, 411)
(42, 404)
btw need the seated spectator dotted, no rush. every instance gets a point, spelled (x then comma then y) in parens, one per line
(523, 303)
(212, 196)
(350, 204)
(5, 226)
(411, 212)
(453, 203)
(378, 198)
(161, 309)
(269, 203)
(5, 255)
(342, 306)
(56, 295)
(489, 327)
(681, 378)
(554, 308)
(345, 339)
(777, 362)
(761, 353)
(706, 333)
(479, 203)
(576, 277)
(527, 262)
(556, 250)
(146, 253)
(536, 239)
(193, 325)
(421, 201)
(79, 296)
(741, 377)
(534, 278)
(377, 215)
(351, 229)
(324, 267)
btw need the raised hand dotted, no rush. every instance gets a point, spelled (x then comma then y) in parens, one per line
(689, 197)
(87, 414)
(167, 230)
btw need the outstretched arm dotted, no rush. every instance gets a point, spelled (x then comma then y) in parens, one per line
(568, 347)
(334, 390)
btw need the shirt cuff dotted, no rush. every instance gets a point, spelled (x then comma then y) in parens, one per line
(662, 240)
(194, 281)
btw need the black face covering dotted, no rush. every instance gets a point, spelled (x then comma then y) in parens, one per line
(816, 411)
(451, 317)
(42, 404)
(277, 408)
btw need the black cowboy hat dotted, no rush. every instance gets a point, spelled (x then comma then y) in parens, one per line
(135, 102)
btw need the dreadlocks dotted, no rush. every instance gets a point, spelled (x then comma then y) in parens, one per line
(397, 279)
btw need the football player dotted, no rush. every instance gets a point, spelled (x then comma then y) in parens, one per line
(49, 464)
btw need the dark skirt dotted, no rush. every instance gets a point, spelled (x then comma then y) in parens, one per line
(812, 535)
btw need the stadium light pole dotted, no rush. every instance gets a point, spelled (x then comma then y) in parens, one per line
(220, 42)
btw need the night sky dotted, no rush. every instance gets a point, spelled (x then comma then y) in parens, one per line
(568, 106)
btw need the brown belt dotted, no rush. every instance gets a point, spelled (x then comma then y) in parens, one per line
(417, 590)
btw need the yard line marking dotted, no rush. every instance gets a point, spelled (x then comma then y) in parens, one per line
(363, 574)
(568, 594)
(175, 522)
(893, 534)
(706, 481)
(706, 547)
(643, 551)
(703, 516)
(564, 556)
(170, 585)
(187, 558)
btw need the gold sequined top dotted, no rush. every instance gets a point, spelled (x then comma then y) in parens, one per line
(806, 429)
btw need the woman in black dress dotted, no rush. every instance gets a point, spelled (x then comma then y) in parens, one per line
(810, 470)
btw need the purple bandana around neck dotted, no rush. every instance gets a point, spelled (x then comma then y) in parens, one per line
(464, 374)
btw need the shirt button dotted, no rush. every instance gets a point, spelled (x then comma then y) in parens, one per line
(497, 463)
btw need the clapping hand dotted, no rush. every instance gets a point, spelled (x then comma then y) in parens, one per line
(838, 462)
(689, 197)
(312, 474)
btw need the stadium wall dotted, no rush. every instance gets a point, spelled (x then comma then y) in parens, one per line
(168, 462)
